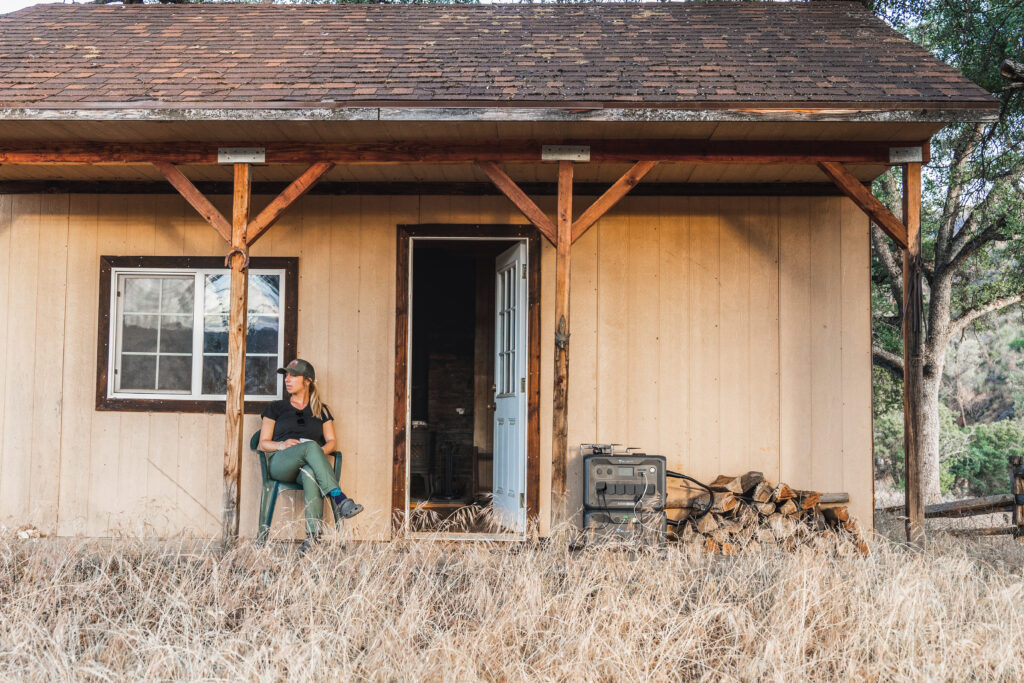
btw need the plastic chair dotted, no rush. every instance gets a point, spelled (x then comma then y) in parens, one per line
(271, 487)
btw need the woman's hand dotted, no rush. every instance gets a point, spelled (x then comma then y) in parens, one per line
(288, 443)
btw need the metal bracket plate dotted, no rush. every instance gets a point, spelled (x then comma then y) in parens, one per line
(565, 153)
(241, 155)
(906, 155)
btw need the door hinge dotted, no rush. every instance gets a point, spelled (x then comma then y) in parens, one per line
(522, 500)
(524, 271)
(522, 384)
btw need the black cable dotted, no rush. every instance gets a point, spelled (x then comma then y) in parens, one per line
(711, 494)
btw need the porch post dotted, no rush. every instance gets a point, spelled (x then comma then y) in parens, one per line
(912, 365)
(234, 407)
(560, 394)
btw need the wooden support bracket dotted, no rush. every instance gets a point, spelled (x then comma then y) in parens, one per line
(611, 197)
(862, 197)
(284, 201)
(196, 198)
(526, 205)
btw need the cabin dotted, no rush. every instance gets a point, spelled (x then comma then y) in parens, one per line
(498, 232)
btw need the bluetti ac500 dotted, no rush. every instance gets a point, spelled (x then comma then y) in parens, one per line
(624, 494)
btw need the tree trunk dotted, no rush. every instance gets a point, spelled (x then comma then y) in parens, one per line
(934, 357)
(928, 439)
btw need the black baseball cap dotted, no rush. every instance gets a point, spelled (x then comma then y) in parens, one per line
(298, 367)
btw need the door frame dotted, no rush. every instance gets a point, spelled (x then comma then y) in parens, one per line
(403, 369)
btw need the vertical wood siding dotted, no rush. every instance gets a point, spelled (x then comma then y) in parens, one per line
(725, 333)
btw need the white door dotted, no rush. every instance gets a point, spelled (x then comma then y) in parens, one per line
(510, 355)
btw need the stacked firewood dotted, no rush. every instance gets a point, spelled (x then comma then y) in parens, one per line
(749, 512)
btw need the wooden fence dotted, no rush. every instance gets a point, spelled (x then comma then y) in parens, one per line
(986, 505)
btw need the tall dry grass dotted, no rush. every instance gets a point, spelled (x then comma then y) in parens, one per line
(428, 610)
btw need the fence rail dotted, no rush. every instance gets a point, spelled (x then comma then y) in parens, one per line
(986, 505)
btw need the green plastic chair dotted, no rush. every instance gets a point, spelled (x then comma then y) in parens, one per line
(271, 487)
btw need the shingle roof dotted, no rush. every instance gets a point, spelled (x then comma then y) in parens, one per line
(693, 54)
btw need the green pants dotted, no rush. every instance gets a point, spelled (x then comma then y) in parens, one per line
(307, 465)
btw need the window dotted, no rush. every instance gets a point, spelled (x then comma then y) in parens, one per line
(164, 332)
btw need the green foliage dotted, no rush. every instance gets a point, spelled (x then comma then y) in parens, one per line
(888, 441)
(983, 468)
(1017, 345)
(974, 460)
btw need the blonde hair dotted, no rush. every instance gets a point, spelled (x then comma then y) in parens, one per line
(316, 404)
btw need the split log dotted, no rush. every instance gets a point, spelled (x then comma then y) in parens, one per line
(729, 484)
(837, 515)
(782, 492)
(751, 480)
(782, 526)
(764, 509)
(746, 515)
(808, 499)
(707, 523)
(762, 493)
(789, 507)
(724, 502)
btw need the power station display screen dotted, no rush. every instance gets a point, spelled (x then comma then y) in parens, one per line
(625, 471)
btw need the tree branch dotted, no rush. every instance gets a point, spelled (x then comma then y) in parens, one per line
(989, 234)
(991, 202)
(958, 325)
(951, 207)
(888, 361)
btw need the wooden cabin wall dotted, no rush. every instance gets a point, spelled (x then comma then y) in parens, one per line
(726, 333)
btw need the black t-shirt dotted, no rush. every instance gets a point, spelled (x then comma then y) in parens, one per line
(292, 423)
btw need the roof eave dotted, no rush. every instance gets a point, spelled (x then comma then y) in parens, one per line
(912, 112)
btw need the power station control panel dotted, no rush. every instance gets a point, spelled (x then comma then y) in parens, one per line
(623, 481)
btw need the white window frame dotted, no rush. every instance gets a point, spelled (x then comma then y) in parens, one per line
(198, 312)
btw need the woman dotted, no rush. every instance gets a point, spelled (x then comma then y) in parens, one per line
(296, 434)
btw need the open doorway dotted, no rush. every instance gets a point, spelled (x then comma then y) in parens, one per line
(467, 444)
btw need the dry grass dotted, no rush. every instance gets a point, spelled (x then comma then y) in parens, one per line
(425, 610)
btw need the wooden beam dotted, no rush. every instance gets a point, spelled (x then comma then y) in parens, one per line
(282, 202)
(234, 407)
(913, 376)
(560, 394)
(863, 198)
(611, 197)
(457, 151)
(526, 205)
(196, 198)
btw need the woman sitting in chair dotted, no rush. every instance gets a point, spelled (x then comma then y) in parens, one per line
(296, 433)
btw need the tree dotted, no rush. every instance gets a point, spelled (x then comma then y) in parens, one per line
(973, 203)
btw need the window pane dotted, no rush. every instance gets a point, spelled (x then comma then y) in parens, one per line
(218, 291)
(138, 372)
(177, 295)
(175, 373)
(264, 295)
(262, 335)
(141, 294)
(215, 334)
(215, 374)
(261, 375)
(139, 333)
(175, 334)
